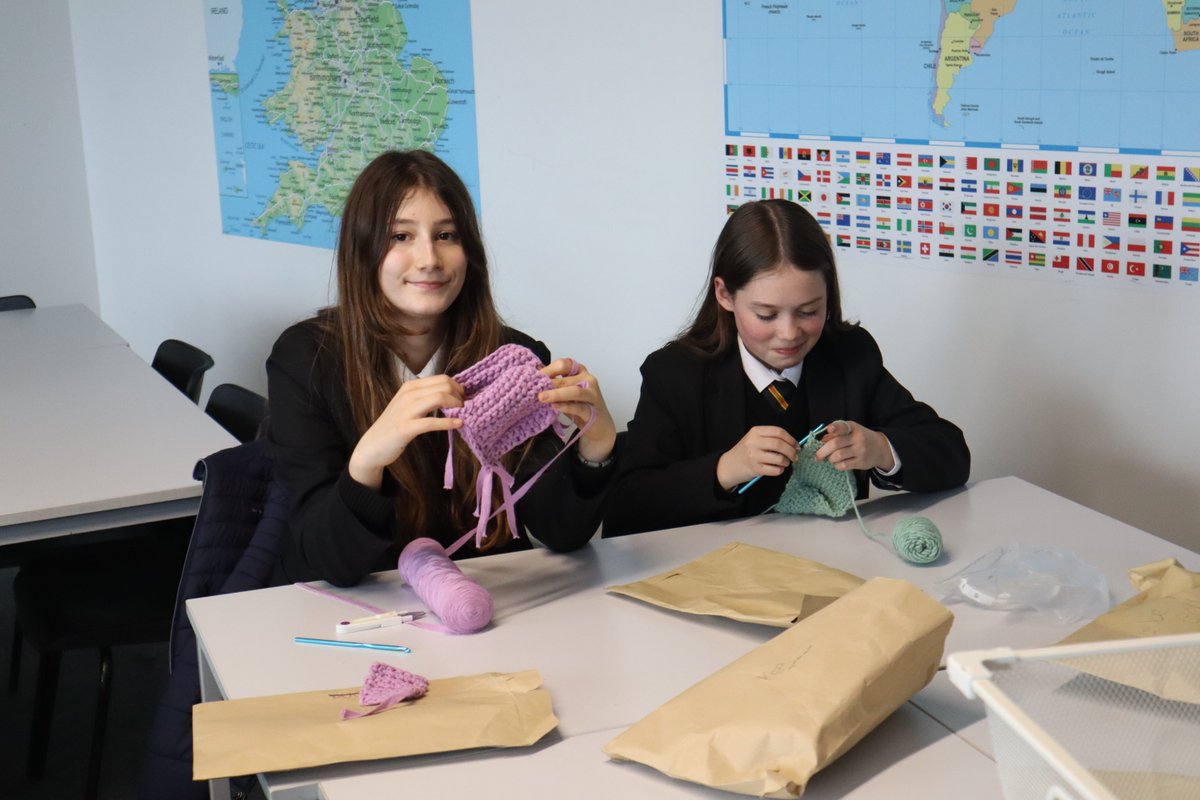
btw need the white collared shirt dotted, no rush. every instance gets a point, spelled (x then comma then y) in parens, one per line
(432, 367)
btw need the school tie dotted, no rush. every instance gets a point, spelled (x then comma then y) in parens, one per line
(779, 393)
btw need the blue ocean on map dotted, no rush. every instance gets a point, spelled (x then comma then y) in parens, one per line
(263, 67)
(1058, 74)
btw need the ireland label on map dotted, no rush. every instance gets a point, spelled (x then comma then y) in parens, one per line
(305, 93)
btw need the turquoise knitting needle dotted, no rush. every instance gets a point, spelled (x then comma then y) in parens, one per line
(817, 431)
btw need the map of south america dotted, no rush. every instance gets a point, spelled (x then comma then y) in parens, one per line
(966, 27)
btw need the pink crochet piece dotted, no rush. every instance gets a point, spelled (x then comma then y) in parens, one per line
(501, 411)
(385, 687)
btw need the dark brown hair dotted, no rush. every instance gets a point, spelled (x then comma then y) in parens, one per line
(760, 237)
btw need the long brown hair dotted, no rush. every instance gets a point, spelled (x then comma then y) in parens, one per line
(760, 237)
(368, 327)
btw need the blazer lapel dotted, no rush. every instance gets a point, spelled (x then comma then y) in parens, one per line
(725, 401)
(824, 384)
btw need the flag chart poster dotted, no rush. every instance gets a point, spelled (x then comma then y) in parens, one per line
(1059, 138)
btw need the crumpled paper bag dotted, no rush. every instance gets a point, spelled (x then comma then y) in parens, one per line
(746, 583)
(766, 723)
(291, 731)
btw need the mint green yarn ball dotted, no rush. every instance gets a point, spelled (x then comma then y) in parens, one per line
(917, 540)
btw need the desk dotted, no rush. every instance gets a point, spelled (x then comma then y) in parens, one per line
(609, 660)
(92, 436)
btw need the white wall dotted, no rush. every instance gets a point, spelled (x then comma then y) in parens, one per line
(600, 137)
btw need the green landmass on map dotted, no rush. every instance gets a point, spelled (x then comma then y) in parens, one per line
(347, 99)
(227, 82)
(965, 31)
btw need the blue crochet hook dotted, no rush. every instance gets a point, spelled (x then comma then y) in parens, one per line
(817, 431)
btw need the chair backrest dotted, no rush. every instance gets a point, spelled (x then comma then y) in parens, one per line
(16, 302)
(237, 410)
(183, 365)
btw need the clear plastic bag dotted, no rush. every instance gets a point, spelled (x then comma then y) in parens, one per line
(1029, 577)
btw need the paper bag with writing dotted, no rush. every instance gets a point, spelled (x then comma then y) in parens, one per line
(766, 723)
(746, 583)
(290, 731)
(1168, 602)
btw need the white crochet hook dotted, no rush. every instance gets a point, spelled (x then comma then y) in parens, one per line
(817, 431)
(385, 620)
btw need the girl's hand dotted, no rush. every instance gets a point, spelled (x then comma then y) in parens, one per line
(848, 445)
(577, 396)
(410, 414)
(764, 450)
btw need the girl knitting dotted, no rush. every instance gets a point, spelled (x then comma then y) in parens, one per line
(355, 392)
(768, 358)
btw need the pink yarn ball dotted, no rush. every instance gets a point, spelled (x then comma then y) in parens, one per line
(462, 604)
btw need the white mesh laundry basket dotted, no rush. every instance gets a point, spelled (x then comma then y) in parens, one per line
(1104, 721)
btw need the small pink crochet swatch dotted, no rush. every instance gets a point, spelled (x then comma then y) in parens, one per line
(385, 687)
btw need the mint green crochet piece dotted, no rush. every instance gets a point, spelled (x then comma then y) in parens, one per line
(815, 487)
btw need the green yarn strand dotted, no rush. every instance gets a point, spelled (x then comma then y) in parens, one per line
(917, 540)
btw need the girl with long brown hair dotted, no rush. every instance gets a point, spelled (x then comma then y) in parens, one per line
(354, 392)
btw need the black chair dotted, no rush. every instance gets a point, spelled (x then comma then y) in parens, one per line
(183, 365)
(16, 302)
(237, 410)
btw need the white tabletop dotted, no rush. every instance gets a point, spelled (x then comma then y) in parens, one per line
(609, 660)
(92, 436)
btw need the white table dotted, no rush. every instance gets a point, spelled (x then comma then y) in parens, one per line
(609, 660)
(92, 437)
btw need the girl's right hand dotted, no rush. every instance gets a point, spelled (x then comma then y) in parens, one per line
(764, 450)
(410, 414)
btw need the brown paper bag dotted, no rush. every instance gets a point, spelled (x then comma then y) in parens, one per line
(290, 731)
(767, 722)
(746, 583)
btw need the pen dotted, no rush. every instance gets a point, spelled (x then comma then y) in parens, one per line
(396, 648)
(384, 620)
(817, 431)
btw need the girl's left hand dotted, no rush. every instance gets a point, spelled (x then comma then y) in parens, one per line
(848, 445)
(578, 396)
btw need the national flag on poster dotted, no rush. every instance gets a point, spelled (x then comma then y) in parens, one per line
(1015, 188)
(862, 220)
(750, 191)
(1037, 236)
(883, 201)
(748, 151)
(843, 178)
(947, 207)
(1112, 218)
(805, 196)
(732, 190)
(883, 245)
(925, 182)
(843, 240)
(1136, 247)
(823, 155)
(1189, 274)
(1112, 170)
(1061, 262)
(925, 160)
(1164, 247)
(731, 170)
(1139, 172)
(1165, 173)
(924, 226)
(1062, 191)
(904, 181)
(1110, 266)
(1085, 264)
(730, 208)
(991, 254)
(767, 173)
(946, 184)
(924, 204)
(802, 176)
(1112, 195)
(764, 151)
(862, 179)
(1062, 167)
(843, 220)
(1012, 256)
(904, 225)
(883, 180)
(883, 159)
(1191, 199)
(862, 200)
(1164, 222)
(969, 230)
(1112, 242)
(1013, 235)
(924, 248)
(1016, 165)
(904, 246)
(972, 162)
(991, 209)
(1087, 193)
(1137, 196)
(1191, 174)
(1087, 169)
(1086, 216)
(946, 162)
(1189, 249)
(1037, 259)
(1190, 224)
(945, 229)
(1062, 214)
(883, 223)
(823, 218)
(946, 250)
(863, 156)
(1135, 268)
(1014, 212)
(991, 187)
(804, 154)
(823, 176)
(786, 153)
(1085, 240)
(1061, 238)
(904, 203)
(1137, 220)
(991, 231)
(1037, 213)
(991, 164)
(968, 185)
(1037, 188)
(1162, 271)
(967, 252)
(967, 208)
(1039, 167)
(863, 242)
(1164, 198)
(843, 198)
(904, 159)
(731, 150)
(749, 171)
